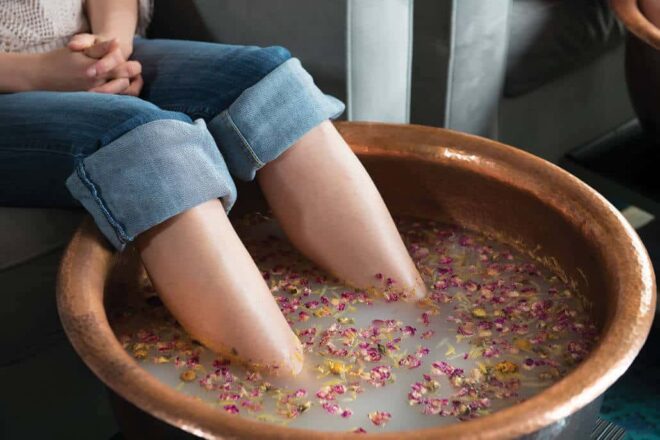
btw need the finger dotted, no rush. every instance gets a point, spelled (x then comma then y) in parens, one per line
(108, 62)
(101, 48)
(135, 87)
(129, 69)
(629, 13)
(115, 86)
(81, 41)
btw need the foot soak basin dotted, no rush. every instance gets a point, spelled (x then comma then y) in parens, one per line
(541, 295)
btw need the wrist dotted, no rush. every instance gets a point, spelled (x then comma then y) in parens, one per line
(30, 72)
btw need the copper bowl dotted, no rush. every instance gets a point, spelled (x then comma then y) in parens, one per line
(429, 173)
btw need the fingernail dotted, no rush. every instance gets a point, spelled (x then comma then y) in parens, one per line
(91, 71)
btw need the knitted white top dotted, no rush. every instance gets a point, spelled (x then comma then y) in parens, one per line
(44, 25)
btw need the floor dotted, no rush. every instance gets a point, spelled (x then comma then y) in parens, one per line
(623, 167)
(634, 401)
(47, 392)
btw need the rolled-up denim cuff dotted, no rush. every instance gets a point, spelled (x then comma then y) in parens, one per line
(150, 174)
(270, 116)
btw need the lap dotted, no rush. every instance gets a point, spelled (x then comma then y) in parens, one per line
(183, 80)
(179, 75)
(43, 134)
(201, 79)
(75, 123)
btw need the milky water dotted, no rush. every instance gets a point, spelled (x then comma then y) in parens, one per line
(489, 304)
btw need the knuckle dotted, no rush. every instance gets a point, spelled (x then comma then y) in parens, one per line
(135, 68)
(121, 72)
(103, 65)
(122, 85)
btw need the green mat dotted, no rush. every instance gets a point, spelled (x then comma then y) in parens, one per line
(634, 401)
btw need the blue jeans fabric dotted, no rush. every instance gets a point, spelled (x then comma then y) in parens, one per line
(207, 111)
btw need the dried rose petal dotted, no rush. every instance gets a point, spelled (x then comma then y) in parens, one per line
(408, 330)
(346, 413)
(428, 334)
(379, 376)
(331, 408)
(379, 418)
(410, 361)
(231, 409)
(508, 315)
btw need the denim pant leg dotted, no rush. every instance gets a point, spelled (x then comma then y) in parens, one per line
(257, 101)
(131, 164)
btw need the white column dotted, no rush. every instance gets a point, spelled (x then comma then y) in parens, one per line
(379, 53)
(477, 65)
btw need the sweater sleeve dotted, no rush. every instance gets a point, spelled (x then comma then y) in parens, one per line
(145, 9)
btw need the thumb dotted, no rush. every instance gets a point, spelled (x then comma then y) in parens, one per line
(81, 41)
(99, 49)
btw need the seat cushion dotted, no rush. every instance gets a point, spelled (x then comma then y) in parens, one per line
(572, 110)
(26, 233)
(550, 38)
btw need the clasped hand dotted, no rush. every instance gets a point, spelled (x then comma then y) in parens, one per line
(91, 63)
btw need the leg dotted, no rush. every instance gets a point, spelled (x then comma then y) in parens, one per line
(258, 103)
(152, 174)
(333, 213)
(215, 290)
(44, 134)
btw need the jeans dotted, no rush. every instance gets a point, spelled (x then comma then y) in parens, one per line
(207, 112)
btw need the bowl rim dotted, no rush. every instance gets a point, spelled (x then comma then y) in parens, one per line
(80, 303)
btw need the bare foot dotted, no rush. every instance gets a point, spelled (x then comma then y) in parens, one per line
(332, 212)
(209, 282)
